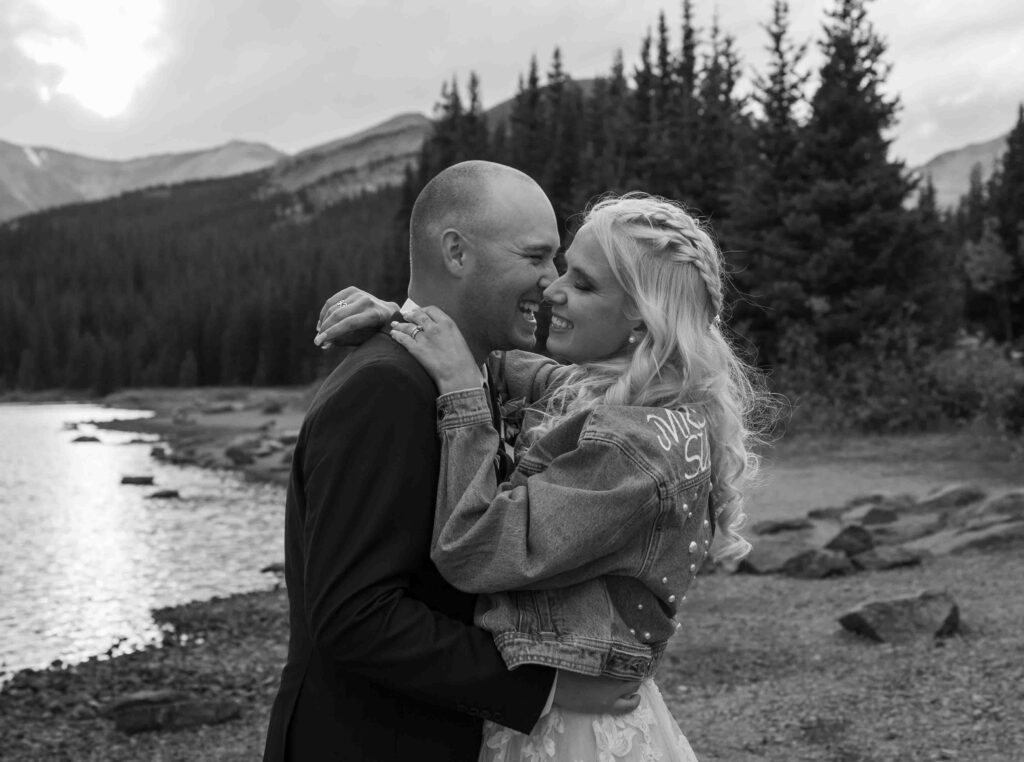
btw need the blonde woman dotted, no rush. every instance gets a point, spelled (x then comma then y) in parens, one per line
(631, 460)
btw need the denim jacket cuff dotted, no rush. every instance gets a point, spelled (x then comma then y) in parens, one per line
(466, 407)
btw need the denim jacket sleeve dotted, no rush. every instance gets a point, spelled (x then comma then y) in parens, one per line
(525, 375)
(556, 528)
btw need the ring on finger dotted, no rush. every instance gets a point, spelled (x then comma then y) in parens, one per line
(342, 303)
(415, 331)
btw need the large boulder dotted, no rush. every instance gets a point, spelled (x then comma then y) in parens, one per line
(84, 438)
(930, 614)
(817, 564)
(851, 540)
(168, 710)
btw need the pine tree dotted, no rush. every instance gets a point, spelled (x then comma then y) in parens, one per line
(645, 84)
(765, 258)
(990, 270)
(862, 255)
(526, 125)
(721, 127)
(563, 116)
(1006, 206)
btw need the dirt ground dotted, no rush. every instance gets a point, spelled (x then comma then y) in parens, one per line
(761, 669)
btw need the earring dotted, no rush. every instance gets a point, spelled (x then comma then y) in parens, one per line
(631, 339)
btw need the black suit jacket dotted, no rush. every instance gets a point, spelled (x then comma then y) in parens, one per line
(383, 660)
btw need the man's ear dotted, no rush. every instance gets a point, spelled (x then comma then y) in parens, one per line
(453, 252)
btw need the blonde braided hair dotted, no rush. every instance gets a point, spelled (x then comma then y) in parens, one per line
(672, 273)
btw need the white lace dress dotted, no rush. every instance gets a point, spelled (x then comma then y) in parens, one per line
(648, 734)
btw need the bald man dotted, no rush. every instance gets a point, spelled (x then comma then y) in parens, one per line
(384, 662)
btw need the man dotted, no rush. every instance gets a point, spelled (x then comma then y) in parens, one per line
(383, 660)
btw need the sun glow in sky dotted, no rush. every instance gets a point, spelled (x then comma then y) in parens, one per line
(119, 79)
(99, 52)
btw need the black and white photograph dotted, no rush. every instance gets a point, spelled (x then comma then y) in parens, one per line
(511, 382)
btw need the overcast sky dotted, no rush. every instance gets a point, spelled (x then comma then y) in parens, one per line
(125, 78)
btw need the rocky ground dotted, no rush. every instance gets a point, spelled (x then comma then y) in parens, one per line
(761, 670)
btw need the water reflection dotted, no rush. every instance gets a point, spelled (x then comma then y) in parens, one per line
(84, 558)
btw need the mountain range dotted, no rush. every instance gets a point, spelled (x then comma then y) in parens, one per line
(951, 171)
(35, 178)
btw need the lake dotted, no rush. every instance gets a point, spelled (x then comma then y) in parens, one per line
(84, 558)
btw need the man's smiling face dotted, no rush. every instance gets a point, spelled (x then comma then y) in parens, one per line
(512, 250)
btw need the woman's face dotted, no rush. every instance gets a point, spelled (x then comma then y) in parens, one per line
(588, 304)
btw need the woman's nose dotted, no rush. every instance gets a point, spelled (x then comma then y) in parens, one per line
(553, 293)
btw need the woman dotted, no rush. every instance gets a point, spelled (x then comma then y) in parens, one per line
(629, 461)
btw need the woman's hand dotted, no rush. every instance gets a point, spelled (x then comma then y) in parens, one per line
(350, 317)
(433, 338)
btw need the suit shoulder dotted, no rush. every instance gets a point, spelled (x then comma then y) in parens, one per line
(379, 364)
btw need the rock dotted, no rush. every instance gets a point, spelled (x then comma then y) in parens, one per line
(85, 439)
(782, 525)
(275, 568)
(240, 456)
(826, 513)
(852, 540)
(878, 514)
(143, 698)
(168, 710)
(907, 528)
(930, 614)
(288, 437)
(1010, 505)
(872, 499)
(996, 537)
(143, 480)
(817, 564)
(158, 452)
(164, 494)
(272, 408)
(886, 557)
(219, 408)
(766, 557)
(951, 496)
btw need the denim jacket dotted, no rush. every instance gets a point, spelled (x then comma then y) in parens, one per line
(583, 556)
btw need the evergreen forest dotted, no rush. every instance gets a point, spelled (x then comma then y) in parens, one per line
(867, 306)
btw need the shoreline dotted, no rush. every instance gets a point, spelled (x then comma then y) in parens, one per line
(761, 671)
(249, 430)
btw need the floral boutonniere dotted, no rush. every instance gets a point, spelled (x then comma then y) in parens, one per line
(512, 412)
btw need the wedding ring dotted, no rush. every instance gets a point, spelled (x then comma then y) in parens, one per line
(415, 330)
(342, 303)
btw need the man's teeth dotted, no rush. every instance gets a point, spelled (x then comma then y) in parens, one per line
(529, 310)
(557, 322)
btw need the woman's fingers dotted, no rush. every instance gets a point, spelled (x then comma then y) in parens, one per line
(347, 331)
(346, 294)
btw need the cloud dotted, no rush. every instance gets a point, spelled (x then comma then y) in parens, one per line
(98, 53)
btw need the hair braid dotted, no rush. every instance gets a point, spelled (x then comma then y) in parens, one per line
(682, 359)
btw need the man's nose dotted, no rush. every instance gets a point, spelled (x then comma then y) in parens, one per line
(549, 276)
